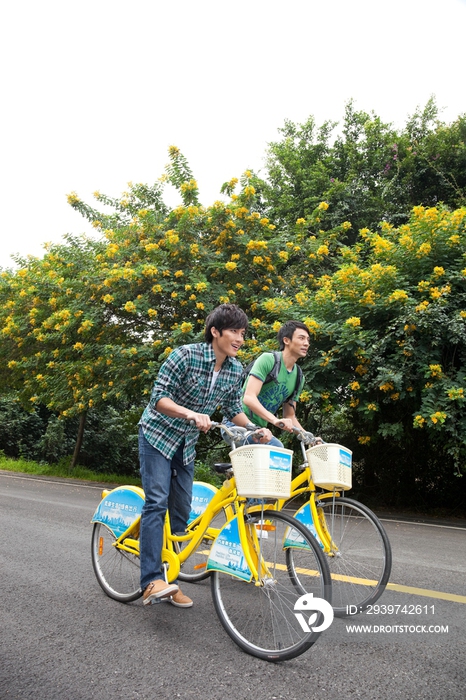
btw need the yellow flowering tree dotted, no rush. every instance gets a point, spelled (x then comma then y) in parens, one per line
(160, 273)
(60, 346)
(389, 345)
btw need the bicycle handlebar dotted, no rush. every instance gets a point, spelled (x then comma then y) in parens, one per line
(243, 432)
(236, 433)
(303, 435)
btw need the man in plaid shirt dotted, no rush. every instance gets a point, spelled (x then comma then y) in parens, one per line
(192, 383)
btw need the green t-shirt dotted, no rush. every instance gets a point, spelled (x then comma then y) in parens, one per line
(273, 394)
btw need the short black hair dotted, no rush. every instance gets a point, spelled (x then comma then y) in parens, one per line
(287, 330)
(223, 317)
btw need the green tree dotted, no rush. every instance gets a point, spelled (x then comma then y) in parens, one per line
(371, 172)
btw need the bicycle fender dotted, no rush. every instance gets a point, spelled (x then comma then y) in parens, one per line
(119, 508)
(227, 555)
(201, 497)
(304, 516)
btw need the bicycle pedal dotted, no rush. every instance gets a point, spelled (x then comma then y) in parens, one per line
(157, 601)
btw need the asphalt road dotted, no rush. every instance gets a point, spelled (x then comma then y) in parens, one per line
(61, 637)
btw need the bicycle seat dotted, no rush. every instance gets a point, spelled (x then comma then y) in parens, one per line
(222, 467)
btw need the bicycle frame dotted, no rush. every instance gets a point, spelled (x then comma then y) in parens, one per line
(223, 499)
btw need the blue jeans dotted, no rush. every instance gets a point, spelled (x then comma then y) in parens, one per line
(167, 483)
(274, 442)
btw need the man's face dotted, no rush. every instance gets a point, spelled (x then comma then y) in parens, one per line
(298, 345)
(228, 341)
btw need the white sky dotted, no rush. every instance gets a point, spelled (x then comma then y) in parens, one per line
(94, 92)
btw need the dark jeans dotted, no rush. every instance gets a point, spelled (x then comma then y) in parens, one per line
(162, 489)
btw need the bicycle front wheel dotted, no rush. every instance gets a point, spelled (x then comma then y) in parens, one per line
(361, 557)
(260, 616)
(117, 571)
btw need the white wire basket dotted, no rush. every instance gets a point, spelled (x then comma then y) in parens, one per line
(262, 471)
(330, 466)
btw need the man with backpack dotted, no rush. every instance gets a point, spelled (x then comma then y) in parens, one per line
(274, 380)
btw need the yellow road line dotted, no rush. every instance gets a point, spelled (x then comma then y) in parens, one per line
(438, 595)
(426, 592)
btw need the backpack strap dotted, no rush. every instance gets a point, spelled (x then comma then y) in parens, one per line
(272, 376)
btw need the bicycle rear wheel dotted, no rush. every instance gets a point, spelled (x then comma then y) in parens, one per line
(117, 572)
(361, 562)
(260, 617)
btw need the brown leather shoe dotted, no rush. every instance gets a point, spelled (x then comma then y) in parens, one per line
(180, 600)
(158, 589)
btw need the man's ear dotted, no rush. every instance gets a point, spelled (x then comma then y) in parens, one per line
(215, 332)
(285, 340)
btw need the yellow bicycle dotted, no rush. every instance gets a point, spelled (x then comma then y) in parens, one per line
(351, 536)
(263, 565)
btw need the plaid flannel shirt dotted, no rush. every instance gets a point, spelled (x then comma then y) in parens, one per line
(185, 377)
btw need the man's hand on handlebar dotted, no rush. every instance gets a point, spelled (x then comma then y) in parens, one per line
(200, 420)
(285, 424)
(311, 439)
(262, 436)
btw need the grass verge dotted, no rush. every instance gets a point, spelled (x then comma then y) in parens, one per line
(62, 470)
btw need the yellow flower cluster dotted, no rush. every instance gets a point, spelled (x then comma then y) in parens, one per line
(435, 370)
(454, 394)
(354, 321)
(381, 245)
(368, 298)
(438, 417)
(190, 186)
(364, 439)
(172, 237)
(422, 306)
(85, 326)
(256, 245)
(386, 386)
(72, 198)
(277, 305)
(398, 295)
(424, 249)
(301, 298)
